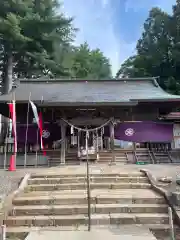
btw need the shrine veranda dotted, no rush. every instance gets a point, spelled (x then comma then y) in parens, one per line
(93, 115)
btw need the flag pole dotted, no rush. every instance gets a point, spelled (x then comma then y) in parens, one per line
(37, 146)
(27, 126)
(6, 147)
(15, 133)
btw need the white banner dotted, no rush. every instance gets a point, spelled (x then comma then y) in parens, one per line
(34, 108)
(38, 121)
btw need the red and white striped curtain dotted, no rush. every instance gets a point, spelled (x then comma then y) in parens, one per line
(12, 110)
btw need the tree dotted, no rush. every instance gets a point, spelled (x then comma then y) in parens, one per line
(36, 40)
(29, 32)
(89, 64)
(158, 49)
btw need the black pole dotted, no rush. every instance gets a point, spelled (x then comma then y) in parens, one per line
(88, 184)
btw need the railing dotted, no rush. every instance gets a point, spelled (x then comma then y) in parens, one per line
(29, 155)
(3, 232)
(170, 156)
(171, 224)
(151, 157)
(135, 155)
(88, 185)
(126, 154)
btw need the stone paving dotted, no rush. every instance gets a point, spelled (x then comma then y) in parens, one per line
(128, 233)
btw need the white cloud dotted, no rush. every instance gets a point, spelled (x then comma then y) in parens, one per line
(93, 18)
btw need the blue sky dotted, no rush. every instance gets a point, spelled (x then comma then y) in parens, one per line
(114, 26)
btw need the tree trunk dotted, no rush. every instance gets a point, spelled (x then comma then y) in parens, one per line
(7, 82)
(7, 75)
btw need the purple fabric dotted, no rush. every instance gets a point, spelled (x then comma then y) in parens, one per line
(52, 132)
(144, 132)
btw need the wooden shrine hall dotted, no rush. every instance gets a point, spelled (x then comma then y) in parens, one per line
(120, 120)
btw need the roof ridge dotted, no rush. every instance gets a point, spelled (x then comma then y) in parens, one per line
(56, 80)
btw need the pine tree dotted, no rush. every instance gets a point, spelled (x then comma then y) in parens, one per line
(29, 32)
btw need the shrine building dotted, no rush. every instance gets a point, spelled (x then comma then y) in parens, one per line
(127, 120)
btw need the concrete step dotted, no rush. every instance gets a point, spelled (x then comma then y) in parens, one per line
(110, 153)
(123, 160)
(76, 186)
(21, 232)
(83, 209)
(82, 199)
(83, 179)
(97, 192)
(96, 219)
(53, 174)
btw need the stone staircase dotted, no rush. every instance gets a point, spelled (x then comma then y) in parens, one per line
(162, 157)
(72, 158)
(59, 202)
(144, 155)
(106, 157)
(55, 158)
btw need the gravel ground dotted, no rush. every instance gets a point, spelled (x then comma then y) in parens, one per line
(9, 181)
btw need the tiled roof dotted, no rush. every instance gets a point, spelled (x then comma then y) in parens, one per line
(89, 92)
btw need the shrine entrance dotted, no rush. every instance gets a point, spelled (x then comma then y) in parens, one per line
(77, 140)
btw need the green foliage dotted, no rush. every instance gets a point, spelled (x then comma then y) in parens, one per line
(36, 39)
(82, 62)
(89, 64)
(158, 50)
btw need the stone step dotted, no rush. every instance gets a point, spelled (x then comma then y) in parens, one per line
(96, 219)
(82, 199)
(83, 179)
(99, 173)
(21, 232)
(104, 160)
(110, 158)
(96, 192)
(76, 186)
(83, 209)
(121, 160)
(110, 154)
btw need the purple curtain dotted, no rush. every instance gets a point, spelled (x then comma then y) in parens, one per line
(52, 132)
(144, 132)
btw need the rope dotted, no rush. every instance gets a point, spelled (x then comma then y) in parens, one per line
(87, 130)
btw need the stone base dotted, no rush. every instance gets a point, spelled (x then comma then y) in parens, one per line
(106, 234)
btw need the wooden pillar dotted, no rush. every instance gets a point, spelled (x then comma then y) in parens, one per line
(63, 144)
(112, 140)
(101, 139)
(78, 142)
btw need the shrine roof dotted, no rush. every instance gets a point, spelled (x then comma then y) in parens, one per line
(64, 92)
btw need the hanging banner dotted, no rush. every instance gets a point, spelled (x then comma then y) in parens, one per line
(12, 110)
(51, 132)
(144, 132)
(38, 120)
(35, 112)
